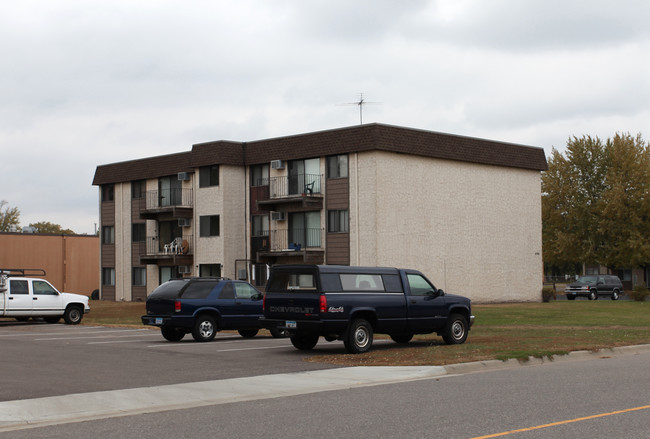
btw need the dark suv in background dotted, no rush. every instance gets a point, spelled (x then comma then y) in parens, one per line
(593, 285)
(202, 306)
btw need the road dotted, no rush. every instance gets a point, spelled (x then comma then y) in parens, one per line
(264, 389)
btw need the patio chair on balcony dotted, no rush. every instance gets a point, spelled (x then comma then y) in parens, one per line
(309, 188)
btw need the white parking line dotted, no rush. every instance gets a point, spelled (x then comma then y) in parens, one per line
(141, 334)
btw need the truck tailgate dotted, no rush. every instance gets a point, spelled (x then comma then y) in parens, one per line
(292, 306)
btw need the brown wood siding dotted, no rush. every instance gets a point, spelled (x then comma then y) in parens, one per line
(108, 255)
(338, 248)
(139, 294)
(338, 193)
(259, 193)
(108, 292)
(337, 245)
(108, 213)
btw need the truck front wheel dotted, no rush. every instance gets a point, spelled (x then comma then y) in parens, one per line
(304, 342)
(359, 337)
(456, 330)
(73, 315)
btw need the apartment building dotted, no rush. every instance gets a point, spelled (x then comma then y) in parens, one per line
(465, 211)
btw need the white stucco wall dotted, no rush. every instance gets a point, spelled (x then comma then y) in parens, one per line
(472, 229)
(123, 248)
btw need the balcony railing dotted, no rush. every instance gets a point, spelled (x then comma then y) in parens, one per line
(302, 184)
(295, 239)
(177, 246)
(168, 198)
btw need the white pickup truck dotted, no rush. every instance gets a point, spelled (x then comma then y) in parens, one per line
(23, 296)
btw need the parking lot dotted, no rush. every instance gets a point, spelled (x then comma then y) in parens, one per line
(41, 359)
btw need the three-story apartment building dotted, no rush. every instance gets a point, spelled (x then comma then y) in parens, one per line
(465, 211)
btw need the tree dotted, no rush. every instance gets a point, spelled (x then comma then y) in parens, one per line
(52, 229)
(625, 203)
(595, 203)
(8, 216)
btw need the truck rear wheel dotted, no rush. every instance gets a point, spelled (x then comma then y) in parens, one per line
(401, 338)
(248, 333)
(304, 342)
(456, 330)
(359, 337)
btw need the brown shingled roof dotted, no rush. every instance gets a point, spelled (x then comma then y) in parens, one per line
(322, 143)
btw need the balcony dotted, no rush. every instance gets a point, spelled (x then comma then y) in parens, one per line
(303, 189)
(178, 202)
(179, 251)
(291, 245)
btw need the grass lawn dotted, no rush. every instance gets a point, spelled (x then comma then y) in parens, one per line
(500, 331)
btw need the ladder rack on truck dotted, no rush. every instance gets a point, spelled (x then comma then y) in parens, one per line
(22, 272)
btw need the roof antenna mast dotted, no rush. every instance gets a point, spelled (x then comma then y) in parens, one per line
(361, 102)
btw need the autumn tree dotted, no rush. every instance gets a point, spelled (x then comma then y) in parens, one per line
(595, 203)
(9, 216)
(50, 228)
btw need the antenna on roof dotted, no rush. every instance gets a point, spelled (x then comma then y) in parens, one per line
(361, 102)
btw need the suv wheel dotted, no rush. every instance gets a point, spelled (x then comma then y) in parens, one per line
(615, 295)
(172, 333)
(359, 337)
(455, 331)
(204, 329)
(593, 295)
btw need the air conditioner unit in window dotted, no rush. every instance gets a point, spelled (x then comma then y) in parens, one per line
(277, 164)
(277, 216)
(184, 222)
(184, 269)
(183, 176)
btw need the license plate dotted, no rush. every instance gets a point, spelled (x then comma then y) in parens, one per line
(291, 324)
(158, 321)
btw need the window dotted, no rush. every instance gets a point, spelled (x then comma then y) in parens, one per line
(245, 291)
(260, 175)
(209, 176)
(419, 285)
(337, 221)
(138, 189)
(138, 232)
(210, 270)
(42, 288)
(209, 225)
(304, 229)
(337, 166)
(139, 276)
(260, 225)
(108, 192)
(18, 287)
(362, 282)
(108, 276)
(108, 235)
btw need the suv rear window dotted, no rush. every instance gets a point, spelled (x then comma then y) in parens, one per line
(169, 290)
(199, 289)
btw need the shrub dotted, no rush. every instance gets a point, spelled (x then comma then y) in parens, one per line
(639, 293)
(548, 293)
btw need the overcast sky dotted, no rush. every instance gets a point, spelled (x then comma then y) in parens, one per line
(90, 83)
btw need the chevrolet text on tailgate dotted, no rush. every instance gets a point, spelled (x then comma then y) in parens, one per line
(353, 303)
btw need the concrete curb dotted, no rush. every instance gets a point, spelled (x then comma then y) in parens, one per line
(41, 412)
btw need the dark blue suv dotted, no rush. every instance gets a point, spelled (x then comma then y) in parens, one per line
(202, 306)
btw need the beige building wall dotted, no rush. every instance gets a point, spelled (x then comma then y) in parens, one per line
(123, 247)
(472, 229)
(228, 200)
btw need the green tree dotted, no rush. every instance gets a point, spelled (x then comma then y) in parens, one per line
(52, 229)
(595, 203)
(625, 203)
(9, 216)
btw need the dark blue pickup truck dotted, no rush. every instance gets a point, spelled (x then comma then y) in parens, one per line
(352, 303)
